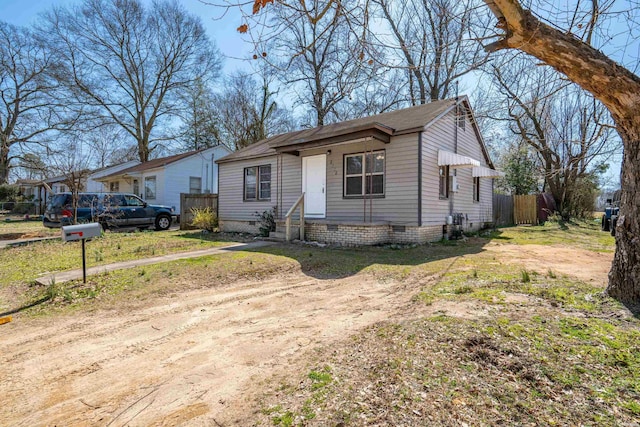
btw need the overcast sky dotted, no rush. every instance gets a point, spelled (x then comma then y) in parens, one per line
(222, 31)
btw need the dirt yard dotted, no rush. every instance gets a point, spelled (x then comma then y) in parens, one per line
(198, 357)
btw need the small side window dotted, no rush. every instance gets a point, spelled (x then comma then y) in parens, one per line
(444, 182)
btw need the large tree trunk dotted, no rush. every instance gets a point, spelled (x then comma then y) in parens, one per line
(624, 277)
(619, 90)
(4, 164)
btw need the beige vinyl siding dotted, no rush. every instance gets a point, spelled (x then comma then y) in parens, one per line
(231, 204)
(291, 182)
(441, 135)
(400, 202)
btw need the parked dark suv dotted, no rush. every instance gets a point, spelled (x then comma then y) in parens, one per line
(109, 209)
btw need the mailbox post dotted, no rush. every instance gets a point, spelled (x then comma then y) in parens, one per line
(72, 233)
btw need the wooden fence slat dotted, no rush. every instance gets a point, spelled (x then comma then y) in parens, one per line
(199, 201)
(502, 210)
(525, 209)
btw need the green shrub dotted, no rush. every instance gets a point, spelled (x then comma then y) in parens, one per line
(204, 219)
(8, 193)
(267, 220)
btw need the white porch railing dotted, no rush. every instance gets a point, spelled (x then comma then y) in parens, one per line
(287, 219)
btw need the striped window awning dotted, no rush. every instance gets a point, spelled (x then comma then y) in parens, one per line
(483, 172)
(447, 158)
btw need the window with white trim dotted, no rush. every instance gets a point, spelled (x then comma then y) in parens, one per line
(364, 174)
(114, 186)
(150, 188)
(257, 183)
(195, 185)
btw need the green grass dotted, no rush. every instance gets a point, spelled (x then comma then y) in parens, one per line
(582, 234)
(538, 370)
(25, 227)
(457, 270)
(564, 356)
(25, 263)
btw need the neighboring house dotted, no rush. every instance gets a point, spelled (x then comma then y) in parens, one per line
(58, 185)
(93, 183)
(160, 181)
(28, 188)
(412, 175)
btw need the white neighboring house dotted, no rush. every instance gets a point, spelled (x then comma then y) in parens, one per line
(89, 183)
(160, 181)
(93, 184)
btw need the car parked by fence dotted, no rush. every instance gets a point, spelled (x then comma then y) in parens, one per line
(109, 209)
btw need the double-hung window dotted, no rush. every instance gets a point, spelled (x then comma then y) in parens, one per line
(257, 183)
(195, 185)
(364, 174)
(150, 188)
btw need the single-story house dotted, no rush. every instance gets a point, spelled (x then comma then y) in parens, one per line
(94, 185)
(412, 175)
(160, 181)
(28, 188)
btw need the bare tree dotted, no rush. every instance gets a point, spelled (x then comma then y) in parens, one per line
(323, 61)
(570, 132)
(72, 162)
(28, 107)
(433, 44)
(249, 113)
(201, 123)
(107, 143)
(128, 62)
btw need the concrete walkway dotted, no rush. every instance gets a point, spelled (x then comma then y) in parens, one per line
(22, 242)
(65, 276)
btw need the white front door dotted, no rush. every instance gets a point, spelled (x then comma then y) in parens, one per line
(314, 179)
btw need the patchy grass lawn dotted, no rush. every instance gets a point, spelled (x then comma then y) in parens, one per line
(485, 343)
(25, 263)
(20, 229)
(522, 348)
(581, 234)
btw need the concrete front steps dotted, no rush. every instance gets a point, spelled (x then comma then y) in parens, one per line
(280, 233)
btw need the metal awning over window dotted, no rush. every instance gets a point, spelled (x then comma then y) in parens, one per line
(483, 172)
(447, 158)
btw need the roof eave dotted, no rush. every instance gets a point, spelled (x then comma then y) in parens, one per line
(383, 135)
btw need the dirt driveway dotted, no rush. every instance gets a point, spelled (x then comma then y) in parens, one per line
(182, 357)
(191, 358)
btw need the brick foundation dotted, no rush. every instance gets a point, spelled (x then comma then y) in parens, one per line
(239, 226)
(370, 234)
(351, 234)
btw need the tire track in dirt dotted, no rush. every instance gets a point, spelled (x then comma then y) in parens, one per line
(199, 350)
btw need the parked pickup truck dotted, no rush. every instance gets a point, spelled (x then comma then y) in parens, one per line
(109, 209)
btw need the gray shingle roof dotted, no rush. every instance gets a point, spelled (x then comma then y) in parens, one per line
(411, 119)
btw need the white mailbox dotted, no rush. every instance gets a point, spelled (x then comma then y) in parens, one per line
(71, 233)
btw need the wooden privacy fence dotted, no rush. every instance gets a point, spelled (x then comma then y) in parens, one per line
(502, 210)
(525, 209)
(200, 201)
